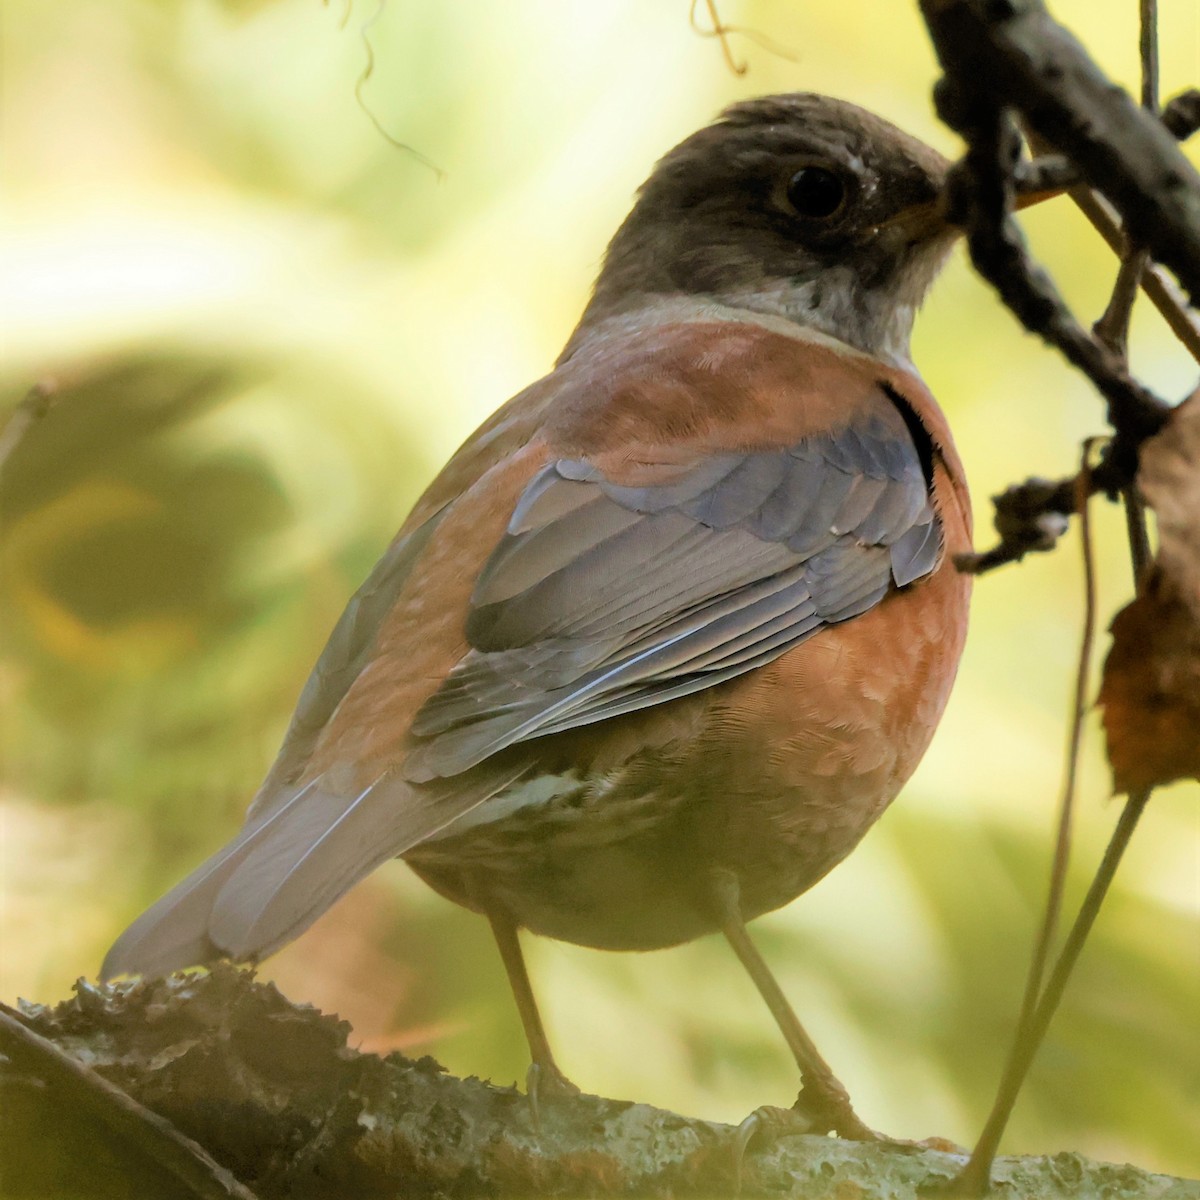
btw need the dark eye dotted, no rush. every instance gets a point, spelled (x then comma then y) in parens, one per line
(816, 192)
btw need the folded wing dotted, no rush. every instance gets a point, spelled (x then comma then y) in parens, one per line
(603, 598)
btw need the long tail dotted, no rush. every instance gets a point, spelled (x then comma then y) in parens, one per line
(282, 871)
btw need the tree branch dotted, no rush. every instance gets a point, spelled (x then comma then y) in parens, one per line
(1009, 56)
(274, 1092)
(140, 1133)
(1031, 64)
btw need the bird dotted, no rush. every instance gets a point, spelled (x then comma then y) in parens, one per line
(670, 631)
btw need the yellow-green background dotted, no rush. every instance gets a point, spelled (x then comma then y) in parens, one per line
(269, 327)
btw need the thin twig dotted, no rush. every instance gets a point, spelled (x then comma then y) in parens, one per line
(1162, 290)
(1050, 171)
(1033, 515)
(368, 70)
(1115, 322)
(1139, 539)
(1029, 516)
(1079, 708)
(720, 31)
(1113, 326)
(1148, 51)
(975, 1176)
(186, 1161)
(1113, 331)
(979, 199)
(1012, 1077)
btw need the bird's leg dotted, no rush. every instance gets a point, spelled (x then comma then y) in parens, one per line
(823, 1103)
(544, 1078)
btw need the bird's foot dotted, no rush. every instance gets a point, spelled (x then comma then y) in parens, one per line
(545, 1081)
(827, 1109)
(821, 1113)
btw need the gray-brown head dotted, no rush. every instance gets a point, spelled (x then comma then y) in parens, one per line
(799, 205)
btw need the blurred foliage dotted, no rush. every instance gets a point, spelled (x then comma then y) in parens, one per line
(268, 325)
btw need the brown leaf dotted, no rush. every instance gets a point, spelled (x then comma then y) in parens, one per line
(1151, 686)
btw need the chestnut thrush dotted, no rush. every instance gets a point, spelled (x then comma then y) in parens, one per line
(673, 627)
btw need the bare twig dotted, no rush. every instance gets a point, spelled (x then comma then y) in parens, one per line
(975, 1176)
(1031, 64)
(154, 1136)
(1079, 707)
(1139, 539)
(1033, 515)
(722, 31)
(1164, 294)
(1014, 1076)
(1162, 290)
(1049, 171)
(1148, 52)
(719, 30)
(979, 199)
(980, 196)
(368, 70)
(1113, 326)
(1029, 516)
(1111, 331)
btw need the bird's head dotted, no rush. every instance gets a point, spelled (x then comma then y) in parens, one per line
(799, 205)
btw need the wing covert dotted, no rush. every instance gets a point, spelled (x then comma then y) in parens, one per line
(606, 596)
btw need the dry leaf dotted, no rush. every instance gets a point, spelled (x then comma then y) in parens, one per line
(1151, 686)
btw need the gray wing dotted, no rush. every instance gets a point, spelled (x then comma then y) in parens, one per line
(301, 846)
(345, 654)
(602, 599)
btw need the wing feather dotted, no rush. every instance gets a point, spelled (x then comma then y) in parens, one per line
(341, 662)
(605, 597)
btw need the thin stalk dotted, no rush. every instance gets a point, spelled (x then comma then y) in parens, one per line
(980, 1164)
(976, 1175)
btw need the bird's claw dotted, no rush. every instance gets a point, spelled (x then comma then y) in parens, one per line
(779, 1122)
(545, 1080)
(805, 1116)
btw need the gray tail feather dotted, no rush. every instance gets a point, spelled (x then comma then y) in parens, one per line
(282, 872)
(173, 932)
